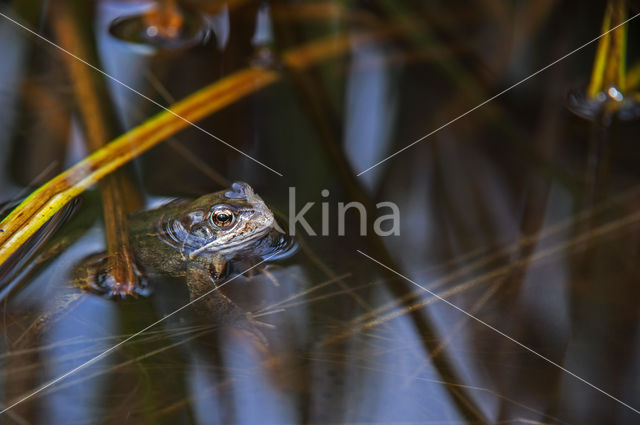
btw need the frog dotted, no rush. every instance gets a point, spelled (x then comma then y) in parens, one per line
(199, 242)
(200, 237)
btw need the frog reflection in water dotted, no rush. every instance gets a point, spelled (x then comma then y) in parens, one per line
(201, 241)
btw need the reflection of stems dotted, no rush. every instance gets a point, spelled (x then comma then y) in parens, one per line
(97, 116)
(318, 106)
(609, 65)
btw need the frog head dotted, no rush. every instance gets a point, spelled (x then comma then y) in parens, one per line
(220, 223)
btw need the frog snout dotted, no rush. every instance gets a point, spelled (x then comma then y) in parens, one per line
(264, 217)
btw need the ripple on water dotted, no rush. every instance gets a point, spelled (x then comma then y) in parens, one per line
(625, 108)
(188, 29)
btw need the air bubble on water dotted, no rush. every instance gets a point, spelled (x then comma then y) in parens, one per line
(152, 31)
(615, 94)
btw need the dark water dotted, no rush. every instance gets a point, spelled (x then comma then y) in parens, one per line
(522, 214)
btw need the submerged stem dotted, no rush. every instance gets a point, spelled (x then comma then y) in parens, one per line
(96, 112)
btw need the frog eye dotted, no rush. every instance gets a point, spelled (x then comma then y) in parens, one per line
(222, 218)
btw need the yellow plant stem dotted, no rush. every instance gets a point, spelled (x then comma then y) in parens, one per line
(42, 204)
(633, 78)
(609, 64)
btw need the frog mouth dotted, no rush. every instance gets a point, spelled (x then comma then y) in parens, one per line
(229, 247)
